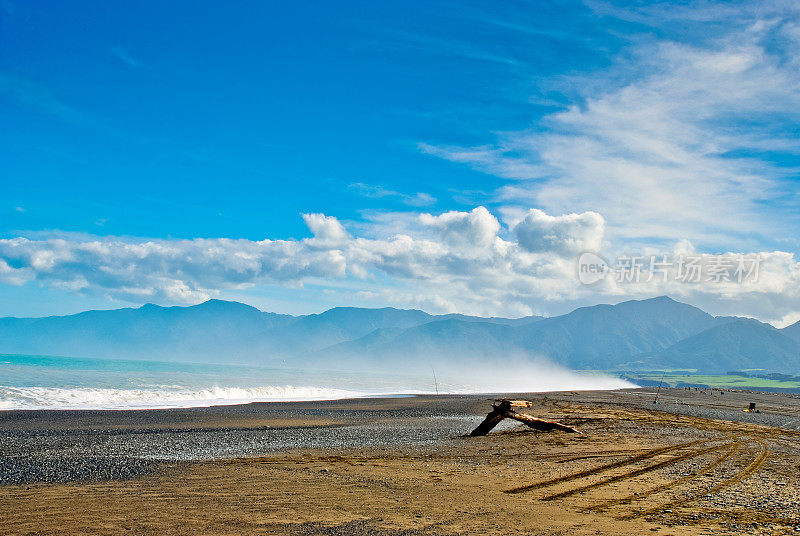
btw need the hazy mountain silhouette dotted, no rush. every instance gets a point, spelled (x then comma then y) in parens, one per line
(206, 331)
(605, 336)
(653, 333)
(739, 344)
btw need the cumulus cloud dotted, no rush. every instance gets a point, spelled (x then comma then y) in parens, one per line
(564, 235)
(325, 227)
(452, 262)
(182, 271)
(475, 228)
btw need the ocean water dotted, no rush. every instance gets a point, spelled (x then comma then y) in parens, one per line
(46, 382)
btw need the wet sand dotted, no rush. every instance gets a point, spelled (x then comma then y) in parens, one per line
(693, 464)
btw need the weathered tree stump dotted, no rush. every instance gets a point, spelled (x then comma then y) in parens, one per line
(502, 409)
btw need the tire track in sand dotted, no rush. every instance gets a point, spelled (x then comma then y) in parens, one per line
(732, 449)
(754, 466)
(636, 472)
(607, 467)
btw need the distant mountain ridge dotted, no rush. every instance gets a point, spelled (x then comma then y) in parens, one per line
(739, 344)
(638, 334)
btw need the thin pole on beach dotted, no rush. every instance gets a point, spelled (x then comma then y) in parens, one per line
(659, 386)
(435, 381)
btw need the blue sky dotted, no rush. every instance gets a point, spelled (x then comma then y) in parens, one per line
(197, 119)
(144, 127)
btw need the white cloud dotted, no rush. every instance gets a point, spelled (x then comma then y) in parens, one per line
(325, 227)
(419, 199)
(787, 320)
(456, 261)
(14, 276)
(570, 234)
(668, 143)
(475, 228)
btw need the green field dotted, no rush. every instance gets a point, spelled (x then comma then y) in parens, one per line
(675, 378)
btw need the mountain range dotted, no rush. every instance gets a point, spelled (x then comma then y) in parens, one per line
(647, 334)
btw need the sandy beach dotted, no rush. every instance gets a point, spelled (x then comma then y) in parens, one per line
(695, 463)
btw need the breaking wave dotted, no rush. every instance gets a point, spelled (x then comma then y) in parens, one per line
(104, 398)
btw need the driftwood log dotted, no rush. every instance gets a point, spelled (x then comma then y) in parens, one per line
(503, 409)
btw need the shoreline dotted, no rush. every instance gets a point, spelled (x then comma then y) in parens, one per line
(666, 395)
(220, 403)
(258, 428)
(217, 403)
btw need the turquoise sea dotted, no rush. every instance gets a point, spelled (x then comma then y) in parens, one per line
(35, 382)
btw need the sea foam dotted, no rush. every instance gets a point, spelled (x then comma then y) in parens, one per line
(104, 398)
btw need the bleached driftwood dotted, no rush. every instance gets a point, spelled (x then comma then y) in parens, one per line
(502, 409)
